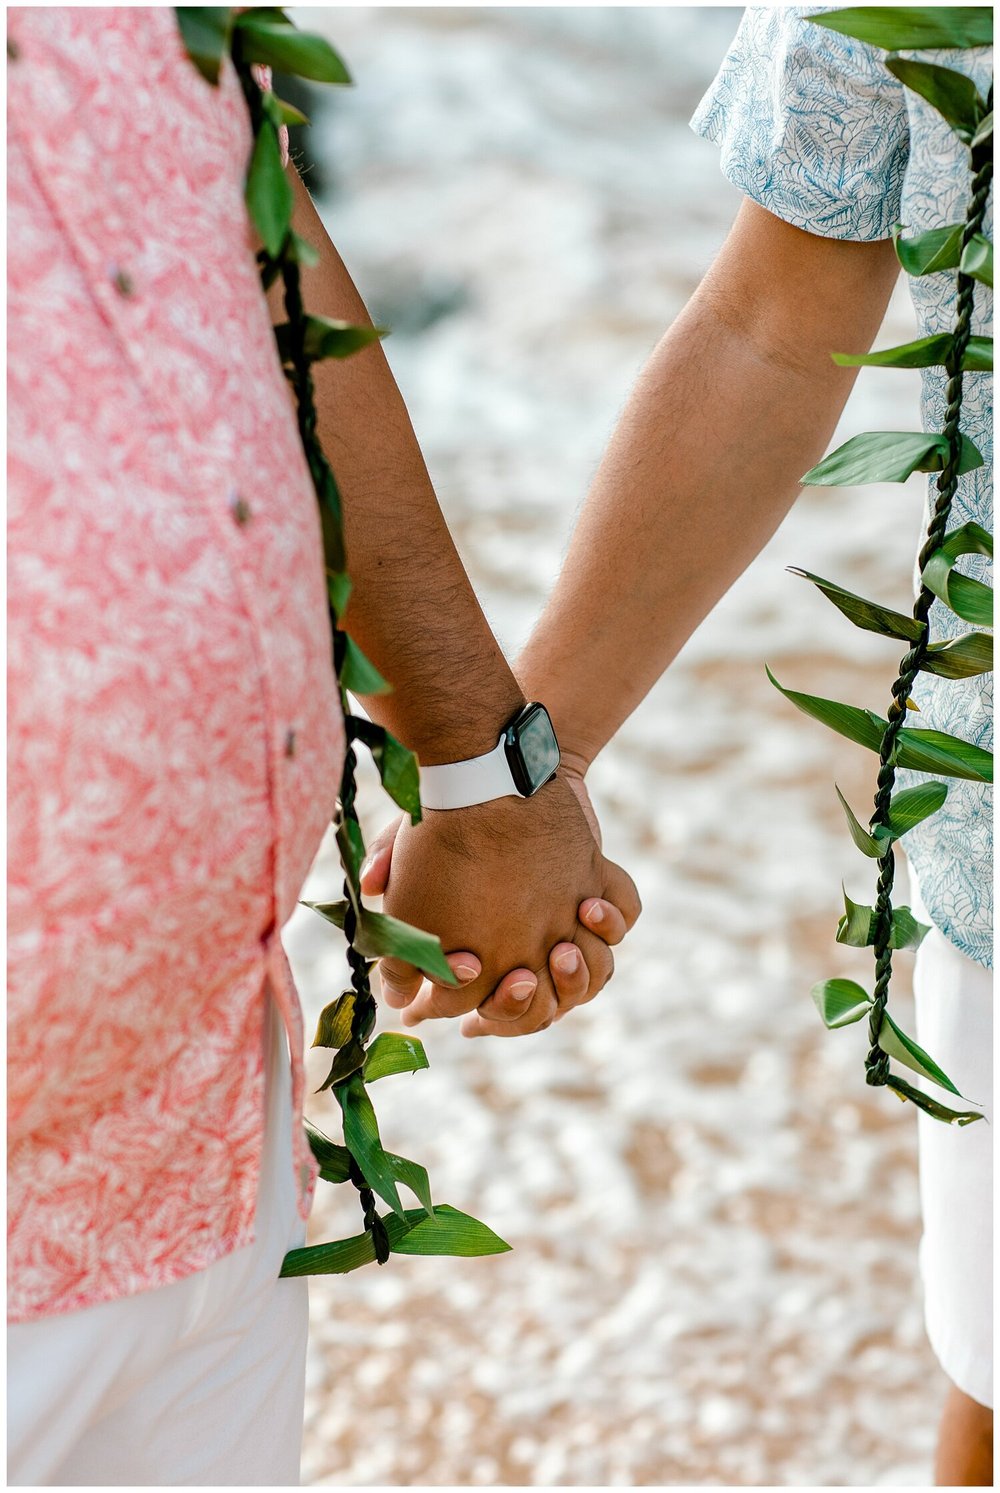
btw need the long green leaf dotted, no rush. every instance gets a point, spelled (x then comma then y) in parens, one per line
(969, 539)
(840, 1002)
(302, 251)
(907, 809)
(297, 52)
(268, 191)
(967, 598)
(954, 95)
(960, 658)
(331, 1259)
(931, 1106)
(326, 338)
(862, 726)
(287, 113)
(936, 751)
(907, 932)
(450, 1233)
(349, 1061)
(927, 253)
(413, 1176)
(343, 1255)
(205, 32)
(977, 260)
(363, 1141)
(925, 751)
(390, 1053)
(926, 352)
(331, 519)
(902, 27)
(338, 590)
(334, 1160)
(351, 844)
(857, 927)
(334, 1026)
(911, 806)
(865, 842)
(359, 674)
(382, 937)
(334, 912)
(984, 131)
(888, 456)
(447, 1233)
(896, 1044)
(865, 614)
(397, 766)
(335, 1029)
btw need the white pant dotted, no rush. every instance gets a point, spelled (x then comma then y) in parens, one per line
(197, 1383)
(954, 998)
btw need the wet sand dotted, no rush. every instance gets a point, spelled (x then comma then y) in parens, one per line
(715, 1224)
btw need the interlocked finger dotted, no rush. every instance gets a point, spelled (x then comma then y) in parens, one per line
(430, 1001)
(604, 919)
(398, 982)
(509, 1001)
(402, 985)
(540, 1014)
(598, 965)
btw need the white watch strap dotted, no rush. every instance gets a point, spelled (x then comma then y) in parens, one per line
(458, 785)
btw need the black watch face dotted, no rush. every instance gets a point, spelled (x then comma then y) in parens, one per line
(532, 749)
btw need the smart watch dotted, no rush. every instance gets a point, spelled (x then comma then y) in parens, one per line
(524, 759)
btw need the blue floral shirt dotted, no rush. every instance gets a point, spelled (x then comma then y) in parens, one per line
(814, 127)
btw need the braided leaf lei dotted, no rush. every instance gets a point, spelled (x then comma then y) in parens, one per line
(265, 37)
(893, 457)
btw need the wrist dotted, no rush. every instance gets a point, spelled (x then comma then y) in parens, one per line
(575, 763)
(458, 729)
(577, 749)
(524, 758)
(503, 823)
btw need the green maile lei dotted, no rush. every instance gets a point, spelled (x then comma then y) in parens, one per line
(959, 248)
(266, 36)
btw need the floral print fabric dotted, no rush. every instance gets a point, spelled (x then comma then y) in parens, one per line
(815, 128)
(175, 740)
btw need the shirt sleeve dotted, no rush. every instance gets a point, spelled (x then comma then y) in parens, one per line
(812, 125)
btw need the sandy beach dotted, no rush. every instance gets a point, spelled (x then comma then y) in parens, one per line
(714, 1276)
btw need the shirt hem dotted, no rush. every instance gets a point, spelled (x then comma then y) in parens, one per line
(237, 1239)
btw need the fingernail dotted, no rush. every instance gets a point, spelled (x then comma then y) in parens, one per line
(464, 972)
(567, 962)
(595, 914)
(366, 866)
(523, 989)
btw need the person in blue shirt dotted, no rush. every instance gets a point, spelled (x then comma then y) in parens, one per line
(737, 401)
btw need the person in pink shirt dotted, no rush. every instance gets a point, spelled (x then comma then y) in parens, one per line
(175, 747)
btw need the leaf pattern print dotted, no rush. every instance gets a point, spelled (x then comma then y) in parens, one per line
(812, 126)
(168, 634)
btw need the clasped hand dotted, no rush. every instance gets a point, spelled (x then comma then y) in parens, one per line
(523, 883)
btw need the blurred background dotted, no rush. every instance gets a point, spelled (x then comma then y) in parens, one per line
(715, 1224)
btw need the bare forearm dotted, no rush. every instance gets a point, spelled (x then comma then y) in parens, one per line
(413, 610)
(704, 464)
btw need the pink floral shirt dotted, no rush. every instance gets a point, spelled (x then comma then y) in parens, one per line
(175, 735)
